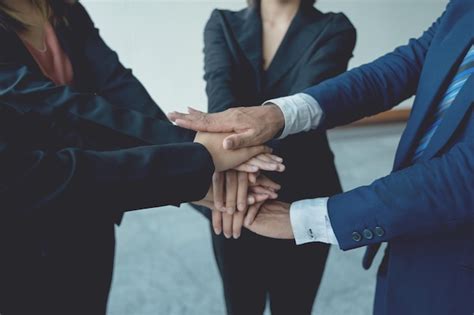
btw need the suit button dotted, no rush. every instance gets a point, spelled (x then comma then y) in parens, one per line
(379, 231)
(356, 236)
(368, 234)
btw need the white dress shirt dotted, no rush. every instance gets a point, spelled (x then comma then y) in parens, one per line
(309, 218)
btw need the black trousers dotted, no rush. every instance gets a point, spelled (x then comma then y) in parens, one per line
(254, 268)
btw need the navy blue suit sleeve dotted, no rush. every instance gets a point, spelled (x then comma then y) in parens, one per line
(110, 78)
(30, 93)
(429, 197)
(375, 87)
(115, 181)
(218, 70)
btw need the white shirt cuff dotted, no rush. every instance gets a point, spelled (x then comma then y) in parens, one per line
(301, 111)
(310, 222)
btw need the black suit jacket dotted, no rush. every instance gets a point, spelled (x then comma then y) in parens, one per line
(72, 159)
(317, 46)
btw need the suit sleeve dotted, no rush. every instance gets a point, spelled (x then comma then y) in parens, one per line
(374, 87)
(111, 79)
(426, 198)
(121, 106)
(33, 181)
(218, 67)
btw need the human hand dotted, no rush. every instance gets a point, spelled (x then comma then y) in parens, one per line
(231, 222)
(244, 185)
(273, 220)
(249, 126)
(232, 190)
(241, 188)
(227, 159)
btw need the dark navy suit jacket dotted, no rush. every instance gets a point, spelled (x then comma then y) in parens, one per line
(424, 210)
(72, 159)
(316, 47)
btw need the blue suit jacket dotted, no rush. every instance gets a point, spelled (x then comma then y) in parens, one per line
(425, 210)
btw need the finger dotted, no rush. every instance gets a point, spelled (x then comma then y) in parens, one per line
(246, 167)
(264, 181)
(277, 166)
(250, 200)
(203, 122)
(252, 213)
(173, 116)
(241, 140)
(263, 165)
(266, 158)
(227, 224)
(274, 157)
(260, 149)
(262, 191)
(242, 190)
(194, 111)
(217, 221)
(260, 197)
(253, 177)
(218, 190)
(231, 186)
(237, 223)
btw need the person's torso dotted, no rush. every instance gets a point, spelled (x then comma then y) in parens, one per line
(434, 274)
(310, 168)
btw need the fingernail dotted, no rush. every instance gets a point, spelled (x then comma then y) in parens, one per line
(253, 169)
(247, 222)
(241, 206)
(228, 144)
(236, 236)
(217, 231)
(231, 210)
(251, 200)
(227, 235)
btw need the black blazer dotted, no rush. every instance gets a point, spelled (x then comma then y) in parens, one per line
(316, 47)
(72, 159)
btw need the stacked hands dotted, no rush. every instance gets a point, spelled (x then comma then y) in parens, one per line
(240, 195)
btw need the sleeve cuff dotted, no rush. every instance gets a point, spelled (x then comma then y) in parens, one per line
(310, 222)
(301, 111)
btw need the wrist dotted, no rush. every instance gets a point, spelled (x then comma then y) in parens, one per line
(275, 118)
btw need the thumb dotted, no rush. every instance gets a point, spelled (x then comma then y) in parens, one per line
(240, 140)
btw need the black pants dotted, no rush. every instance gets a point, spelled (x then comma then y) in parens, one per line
(255, 267)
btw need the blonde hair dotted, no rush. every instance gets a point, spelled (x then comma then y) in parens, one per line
(10, 18)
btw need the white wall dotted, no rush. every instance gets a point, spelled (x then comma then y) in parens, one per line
(162, 40)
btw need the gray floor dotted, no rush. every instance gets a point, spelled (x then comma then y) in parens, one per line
(164, 257)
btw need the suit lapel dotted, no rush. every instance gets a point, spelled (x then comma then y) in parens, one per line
(441, 62)
(248, 33)
(294, 44)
